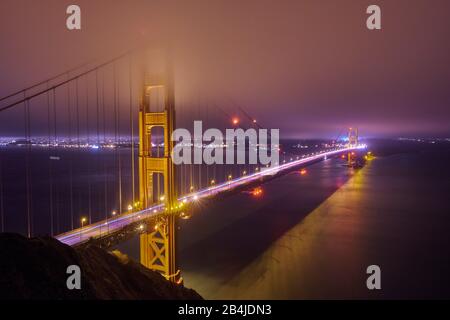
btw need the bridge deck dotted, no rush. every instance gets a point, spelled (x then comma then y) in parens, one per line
(105, 227)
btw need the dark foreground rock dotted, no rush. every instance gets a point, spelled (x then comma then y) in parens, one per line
(36, 269)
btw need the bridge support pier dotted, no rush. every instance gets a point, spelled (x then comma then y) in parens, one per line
(158, 248)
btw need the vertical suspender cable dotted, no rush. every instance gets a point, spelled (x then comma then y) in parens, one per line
(201, 148)
(50, 174)
(104, 141)
(77, 108)
(70, 157)
(118, 142)
(78, 112)
(191, 167)
(27, 165)
(117, 152)
(133, 191)
(56, 145)
(97, 107)
(181, 166)
(207, 166)
(88, 143)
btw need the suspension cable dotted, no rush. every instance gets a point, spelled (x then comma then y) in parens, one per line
(62, 82)
(47, 81)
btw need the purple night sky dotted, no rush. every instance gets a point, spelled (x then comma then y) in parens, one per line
(309, 68)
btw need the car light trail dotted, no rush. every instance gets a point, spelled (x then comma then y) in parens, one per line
(103, 228)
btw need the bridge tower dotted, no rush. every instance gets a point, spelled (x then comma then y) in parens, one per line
(352, 137)
(157, 246)
(352, 143)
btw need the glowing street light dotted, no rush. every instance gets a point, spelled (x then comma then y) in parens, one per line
(184, 216)
(235, 121)
(113, 213)
(83, 220)
(130, 207)
(213, 182)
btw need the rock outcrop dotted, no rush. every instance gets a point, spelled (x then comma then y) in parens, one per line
(36, 269)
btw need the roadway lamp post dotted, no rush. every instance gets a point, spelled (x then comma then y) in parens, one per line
(113, 214)
(83, 220)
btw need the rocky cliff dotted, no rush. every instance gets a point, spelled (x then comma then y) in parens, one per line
(36, 269)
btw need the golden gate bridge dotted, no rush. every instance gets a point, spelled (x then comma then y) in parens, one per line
(101, 107)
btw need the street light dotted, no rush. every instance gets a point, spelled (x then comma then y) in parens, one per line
(83, 220)
(130, 207)
(113, 213)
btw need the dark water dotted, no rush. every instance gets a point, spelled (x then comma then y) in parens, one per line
(308, 236)
(77, 183)
(313, 236)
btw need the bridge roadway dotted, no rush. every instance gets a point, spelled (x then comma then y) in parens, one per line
(113, 224)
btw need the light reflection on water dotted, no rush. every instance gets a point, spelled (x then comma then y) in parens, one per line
(313, 235)
(390, 213)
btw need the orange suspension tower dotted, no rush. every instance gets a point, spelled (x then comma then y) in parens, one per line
(157, 246)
